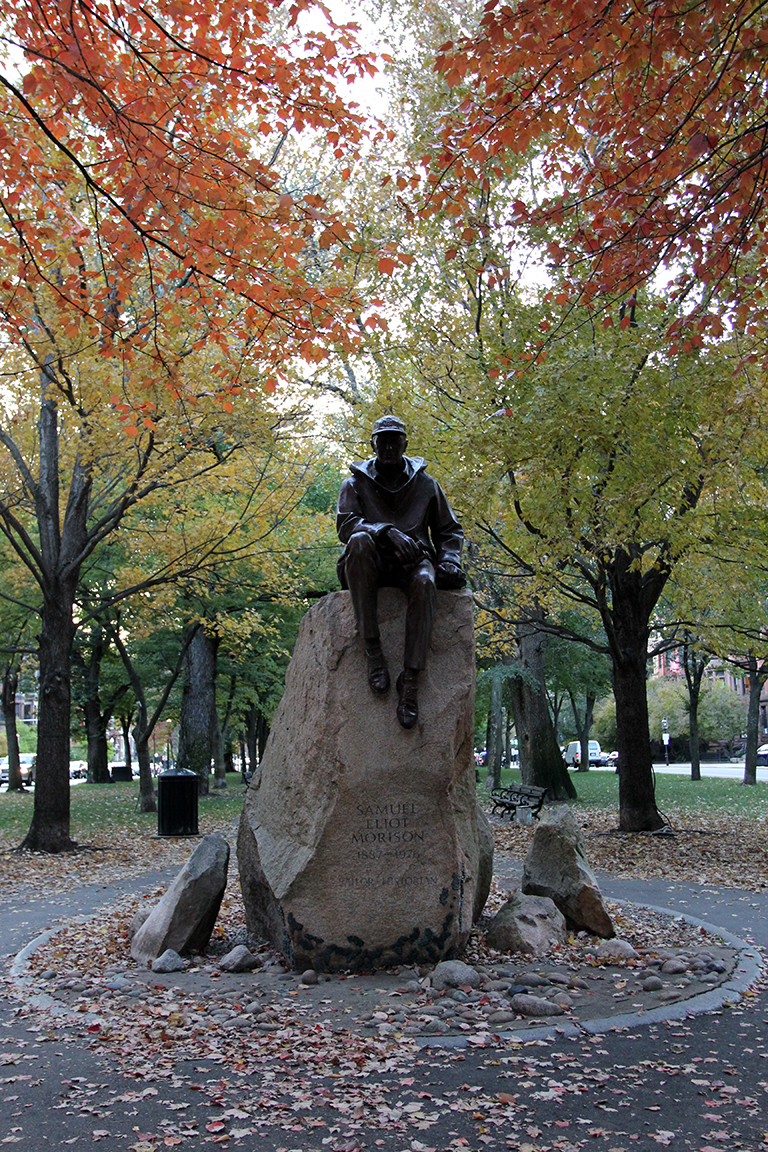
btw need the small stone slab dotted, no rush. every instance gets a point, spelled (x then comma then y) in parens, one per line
(184, 918)
(240, 959)
(556, 866)
(169, 961)
(530, 924)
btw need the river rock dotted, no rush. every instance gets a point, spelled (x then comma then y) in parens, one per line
(184, 918)
(616, 950)
(358, 843)
(454, 974)
(535, 1007)
(556, 866)
(240, 959)
(169, 961)
(529, 924)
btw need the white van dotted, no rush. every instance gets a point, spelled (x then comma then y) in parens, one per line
(572, 754)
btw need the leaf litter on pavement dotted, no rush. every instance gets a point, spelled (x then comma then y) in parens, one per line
(304, 1079)
(227, 1071)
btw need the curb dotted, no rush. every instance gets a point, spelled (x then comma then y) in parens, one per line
(749, 965)
(44, 1000)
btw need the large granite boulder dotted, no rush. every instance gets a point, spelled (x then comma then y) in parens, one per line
(358, 843)
(184, 917)
(556, 866)
(486, 846)
(531, 924)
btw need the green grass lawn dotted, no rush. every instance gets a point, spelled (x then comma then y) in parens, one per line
(673, 793)
(101, 812)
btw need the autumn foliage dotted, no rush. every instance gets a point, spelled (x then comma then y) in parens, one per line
(138, 145)
(649, 119)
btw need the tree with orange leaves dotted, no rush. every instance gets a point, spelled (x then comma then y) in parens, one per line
(153, 265)
(649, 121)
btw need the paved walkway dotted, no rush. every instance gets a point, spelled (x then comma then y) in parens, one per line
(698, 1082)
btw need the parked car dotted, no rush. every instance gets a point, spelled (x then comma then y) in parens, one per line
(26, 764)
(78, 769)
(572, 754)
(27, 761)
(762, 755)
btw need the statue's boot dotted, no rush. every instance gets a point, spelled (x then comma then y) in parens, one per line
(407, 689)
(378, 673)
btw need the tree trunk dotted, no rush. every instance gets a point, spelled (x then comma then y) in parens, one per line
(144, 724)
(694, 749)
(262, 734)
(541, 761)
(583, 728)
(98, 751)
(226, 732)
(556, 706)
(637, 802)
(757, 677)
(125, 728)
(219, 762)
(49, 830)
(627, 626)
(62, 547)
(694, 665)
(251, 738)
(9, 687)
(142, 731)
(198, 707)
(256, 736)
(509, 728)
(95, 722)
(494, 747)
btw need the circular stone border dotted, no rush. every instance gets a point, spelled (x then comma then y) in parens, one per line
(749, 965)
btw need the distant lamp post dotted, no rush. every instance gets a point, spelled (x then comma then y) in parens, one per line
(665, 738)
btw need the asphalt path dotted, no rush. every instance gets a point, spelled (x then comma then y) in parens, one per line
(699, 1082)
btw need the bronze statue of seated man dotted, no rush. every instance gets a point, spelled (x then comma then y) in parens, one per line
(399, 531)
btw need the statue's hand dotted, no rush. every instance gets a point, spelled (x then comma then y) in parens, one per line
(449, 575)
(406, 550)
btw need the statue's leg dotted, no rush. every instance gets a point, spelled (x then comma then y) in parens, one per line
(362, 569)
(419, 618)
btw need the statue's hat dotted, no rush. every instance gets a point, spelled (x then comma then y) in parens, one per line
(388, 424)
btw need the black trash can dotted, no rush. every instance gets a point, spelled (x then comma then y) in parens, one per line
(177, 803)
(121, 774)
